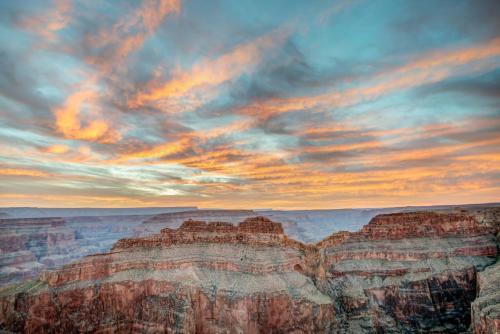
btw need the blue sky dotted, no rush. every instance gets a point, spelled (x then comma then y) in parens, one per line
(246, 104)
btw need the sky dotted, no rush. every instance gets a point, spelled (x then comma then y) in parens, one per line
(249, 104)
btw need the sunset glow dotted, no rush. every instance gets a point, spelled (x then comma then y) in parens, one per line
(247, 104)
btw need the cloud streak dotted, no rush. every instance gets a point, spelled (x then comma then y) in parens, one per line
(129, 32)
(428, 68)
(48, 24)
(159, 102)
(211, 72)
(70, 126)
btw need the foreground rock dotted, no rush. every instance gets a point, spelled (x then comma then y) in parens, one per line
(486, 308)
(199, 278)
(411, 272)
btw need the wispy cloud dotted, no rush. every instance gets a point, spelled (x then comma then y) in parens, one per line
(128, 34)
(111, 47)
(424, 69)
(212, 104)
(211, 72)
(22, 172)
(48, 24)
(68, 122)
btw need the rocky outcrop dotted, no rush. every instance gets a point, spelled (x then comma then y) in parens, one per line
(175, 219)
(488, 216)
(408, 272)
(486, 308)
(421, 275)
(204, 278)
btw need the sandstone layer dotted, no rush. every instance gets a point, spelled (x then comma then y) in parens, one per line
(30, 245)
(486, 308)
(401, 273)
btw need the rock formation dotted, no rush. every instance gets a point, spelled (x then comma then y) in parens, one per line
(486, 308)
(408, 272)
(174, 219)
(401, 273)
(31, 244)
(206, 278)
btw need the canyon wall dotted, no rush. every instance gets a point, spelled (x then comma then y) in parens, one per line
(401, 273)
(30, 245)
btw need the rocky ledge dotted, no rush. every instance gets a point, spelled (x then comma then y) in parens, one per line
(420, 275)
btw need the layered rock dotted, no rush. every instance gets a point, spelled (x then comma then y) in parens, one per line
(420, 275)
(487, 216)
(30, 245)
(408, 272)
(96, 234)
(205, 278)
(174, 219)
(486, 308)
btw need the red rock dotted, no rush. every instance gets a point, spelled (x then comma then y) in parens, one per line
(419, 275)
(38, 240)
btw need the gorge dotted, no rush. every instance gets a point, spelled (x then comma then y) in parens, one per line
(409, 272)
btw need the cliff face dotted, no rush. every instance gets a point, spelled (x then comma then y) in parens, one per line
(486, 308)
(408, 272)
(206, 278)
(30, 245)
(421, 275)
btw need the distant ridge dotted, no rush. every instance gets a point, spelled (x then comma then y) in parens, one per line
(32, 212)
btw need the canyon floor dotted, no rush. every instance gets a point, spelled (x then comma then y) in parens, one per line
(184, 270)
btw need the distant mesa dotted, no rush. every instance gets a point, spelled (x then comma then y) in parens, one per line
(250, 225)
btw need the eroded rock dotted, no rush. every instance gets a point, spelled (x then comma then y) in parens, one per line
(419, 276)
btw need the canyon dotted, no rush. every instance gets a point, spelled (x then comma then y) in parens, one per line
(406, 272)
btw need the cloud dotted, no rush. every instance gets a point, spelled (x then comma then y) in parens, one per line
(48, 24)
(483, 86)
(211, 72)
(69, 124)
(19, 172)
(427, 68)
(334, 9)
(56, 149)
(142, 104)
(112, 45)
(186, 142)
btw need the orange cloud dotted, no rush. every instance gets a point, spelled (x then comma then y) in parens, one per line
(130, 32)
(125, 36)
(210, 72)
(186, 141)
(264, 176)
(459, 57)
(48, 24)
(22, 172)
(69, 125)
(428, 68)
(56, 149)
